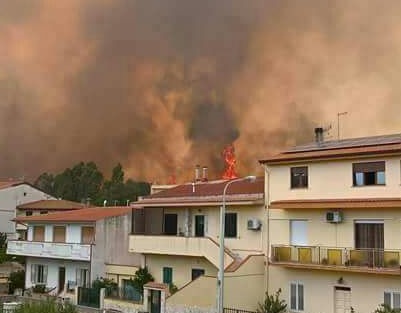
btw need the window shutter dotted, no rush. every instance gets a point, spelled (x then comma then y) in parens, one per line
(396, 300)
(300, 297)
(78, 277)
(293, 296)
(33, 273)
(44, 274)
(387, 298)
(206, 226)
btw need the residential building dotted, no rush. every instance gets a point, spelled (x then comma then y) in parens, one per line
(13, 194)
(334, 224)
(73, 248)
(43, 207)
(177, 230)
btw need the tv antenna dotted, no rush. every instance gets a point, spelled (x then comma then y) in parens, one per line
(339, 114)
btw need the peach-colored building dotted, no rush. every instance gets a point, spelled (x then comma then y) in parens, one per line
(177, 230)
(334, 224)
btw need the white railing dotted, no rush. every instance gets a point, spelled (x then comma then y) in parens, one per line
(69, 251)
(179, 245)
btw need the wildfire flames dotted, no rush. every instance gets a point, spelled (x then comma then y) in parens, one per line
(229, 159)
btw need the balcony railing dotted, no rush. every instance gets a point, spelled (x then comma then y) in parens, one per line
(335, 256)
(69, 251)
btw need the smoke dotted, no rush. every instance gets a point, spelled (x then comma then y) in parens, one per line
(163, 85)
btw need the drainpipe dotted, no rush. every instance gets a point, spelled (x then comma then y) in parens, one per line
(267, 205)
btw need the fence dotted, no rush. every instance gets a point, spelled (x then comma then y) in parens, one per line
(89, 297)
(232, 310)
(126, 293)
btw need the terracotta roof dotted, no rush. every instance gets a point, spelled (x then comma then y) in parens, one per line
(82, 215)
(206, 192)
(364, 203)
(347, 148)
(154, 285)
(10, 183)
(56, 205)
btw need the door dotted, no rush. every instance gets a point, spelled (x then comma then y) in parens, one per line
(59, 234)
(369, 239)
(342, 299)
(199, 225)
(170, 224)
(155, 301)
(61, 279)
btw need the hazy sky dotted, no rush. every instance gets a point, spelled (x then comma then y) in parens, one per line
(163, 85)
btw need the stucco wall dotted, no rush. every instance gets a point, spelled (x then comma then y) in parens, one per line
(333, 180)
(10, 198)
(366, 290)
(53, 268)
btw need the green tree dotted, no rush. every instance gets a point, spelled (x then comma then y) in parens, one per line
(141, 278)
(45, 182)
(16, 280)
(272, 304)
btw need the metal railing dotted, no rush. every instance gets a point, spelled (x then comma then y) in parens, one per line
(127, 293)
(232, 310)
(336, 256)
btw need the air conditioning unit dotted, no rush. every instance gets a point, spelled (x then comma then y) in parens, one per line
(254, 224)
(334, 217)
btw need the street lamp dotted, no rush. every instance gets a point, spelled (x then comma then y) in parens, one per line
(220, 276)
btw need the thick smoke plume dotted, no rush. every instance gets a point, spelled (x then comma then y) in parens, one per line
(163, 85)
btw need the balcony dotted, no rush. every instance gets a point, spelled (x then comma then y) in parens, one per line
(337, 259)
(179, 245)
(68, 251)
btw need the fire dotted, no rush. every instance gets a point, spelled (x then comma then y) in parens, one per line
(229, 159)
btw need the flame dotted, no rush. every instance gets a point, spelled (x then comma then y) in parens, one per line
(229, 159)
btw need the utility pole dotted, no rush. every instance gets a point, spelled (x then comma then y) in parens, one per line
(338, 123)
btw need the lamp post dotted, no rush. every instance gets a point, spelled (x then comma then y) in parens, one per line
(220, 276)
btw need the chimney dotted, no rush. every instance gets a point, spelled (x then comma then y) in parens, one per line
(197, 173)
(204, 173)
(319, 135)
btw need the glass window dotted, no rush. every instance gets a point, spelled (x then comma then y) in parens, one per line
(38, 274)
(368, 173)
(392, 299)
(167, 275)
(299, 177)
(230, 225)
(296, 296)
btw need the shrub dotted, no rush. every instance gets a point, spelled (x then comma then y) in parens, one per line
(16, 280)
(109, 284)
(384, 308)
(173, 288)
(272, 304)
(141, 277)
(39, 288)
(49, 306)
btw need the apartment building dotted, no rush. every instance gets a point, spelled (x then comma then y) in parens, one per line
(177, 230)
(334, 214)
(74, 248)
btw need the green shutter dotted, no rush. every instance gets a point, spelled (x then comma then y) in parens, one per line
(167, 275)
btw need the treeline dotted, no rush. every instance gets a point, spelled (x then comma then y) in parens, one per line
(86, 183)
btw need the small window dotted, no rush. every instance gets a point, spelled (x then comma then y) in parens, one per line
(44, 212)
(167, 275)
(368, 173)
(196, 272)
(28, 213)
(230, 225)
(38, 274)
(392, 299)
(299, 177)
(296, 296)
(59, 233)
(87, 234)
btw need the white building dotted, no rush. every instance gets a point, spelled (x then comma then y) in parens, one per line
(73, 248)
(13, 194)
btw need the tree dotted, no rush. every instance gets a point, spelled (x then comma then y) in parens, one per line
(45, 182)
(16, 280)
(141, 278)
(272, 304)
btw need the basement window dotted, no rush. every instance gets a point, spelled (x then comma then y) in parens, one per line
(368, 173)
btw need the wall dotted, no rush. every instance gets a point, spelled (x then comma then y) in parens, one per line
(321, 233)
(73, 232)
(10, 198)
(120, 272)
(330, 180)
(366, 290)
(182, 267)
(53, 266)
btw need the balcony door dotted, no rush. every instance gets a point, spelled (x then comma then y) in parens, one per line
(199, 226)
(38, 233)
(298, 232)
(59, 233)
(369, 238)
(170, 224)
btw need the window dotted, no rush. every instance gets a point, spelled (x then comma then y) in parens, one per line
(59, 233)
(296, 296)
(28, 213)
(299, 177)
(368, 173)
(392, 299)
(44, 212)
(230, 225)
(299, 232)
(167, 275)
(38, 274)
(87, 235)
(82, 277)
(38, 233)
(196, 272)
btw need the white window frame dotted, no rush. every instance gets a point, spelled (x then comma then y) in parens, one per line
(35, 279)
(297, 283)
(392, 292)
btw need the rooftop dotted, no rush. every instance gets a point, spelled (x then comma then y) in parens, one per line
(344, 148)
(58, 205)
(82, 215)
